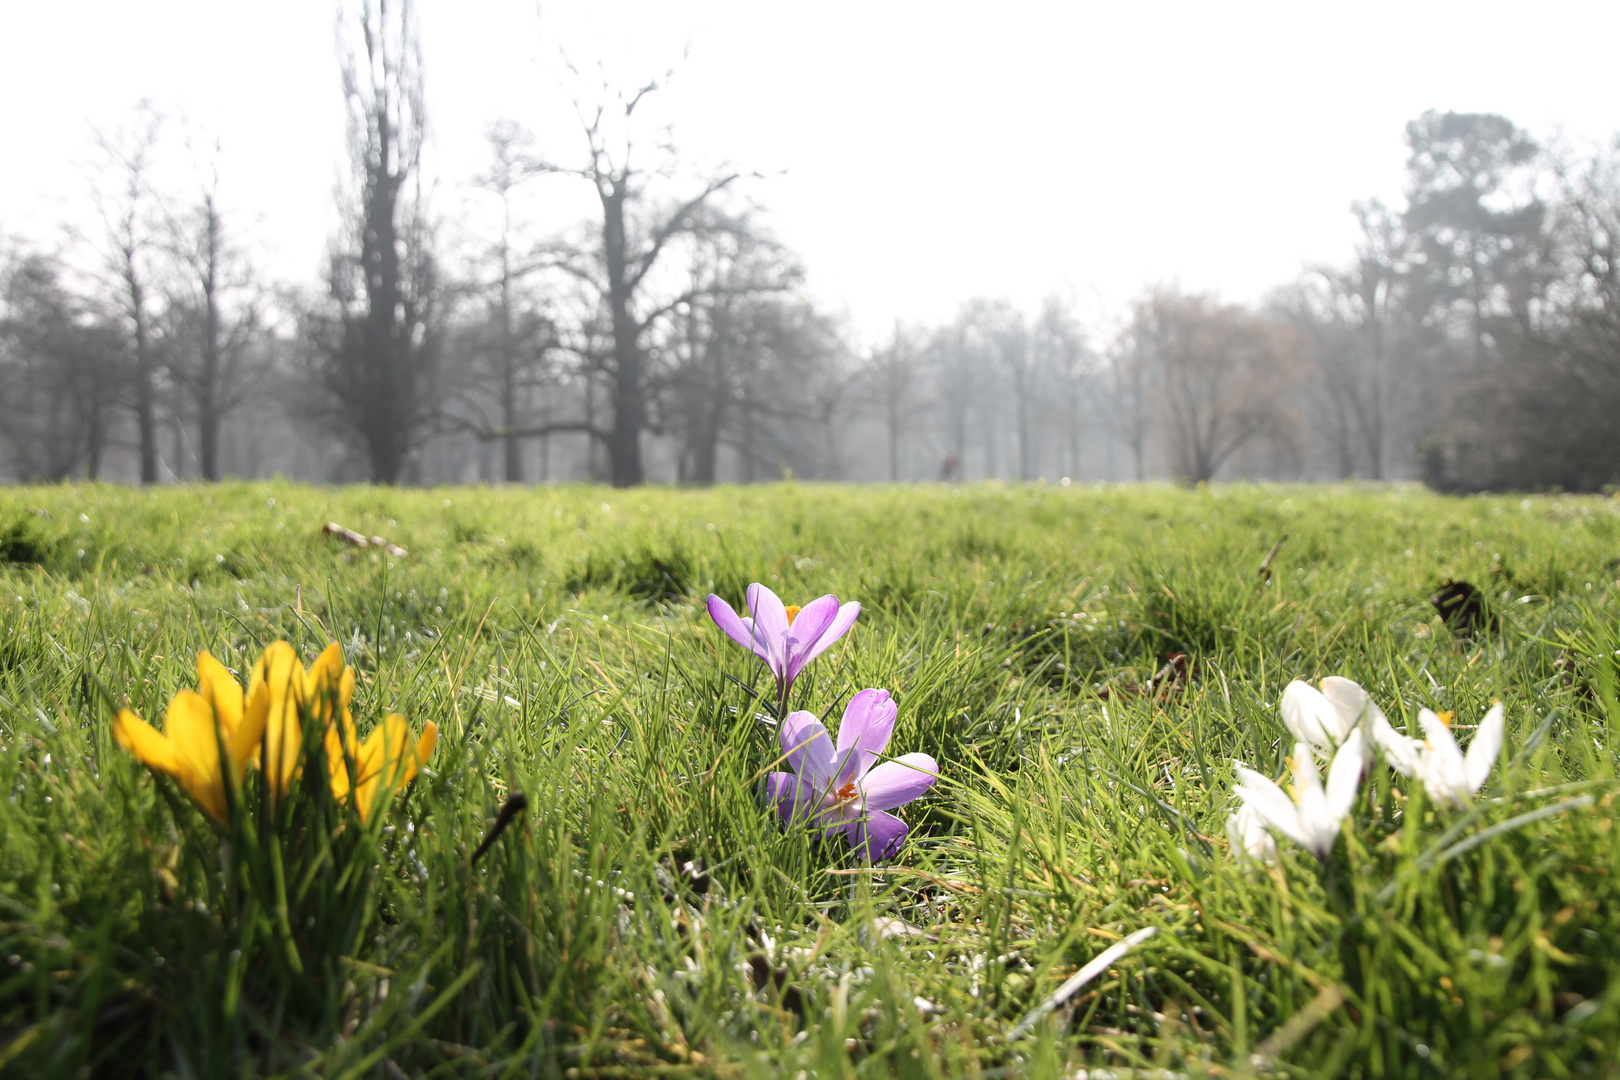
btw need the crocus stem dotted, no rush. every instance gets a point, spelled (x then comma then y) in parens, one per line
(235, 964)
(283, 922)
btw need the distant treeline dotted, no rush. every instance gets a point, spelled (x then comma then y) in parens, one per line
(1472, 340)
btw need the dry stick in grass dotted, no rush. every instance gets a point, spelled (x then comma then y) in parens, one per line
(1264, 573)
(1105, 959)
(360, 540)
(514, 805)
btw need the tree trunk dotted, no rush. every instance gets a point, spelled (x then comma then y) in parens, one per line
(208, 388)
(145, 392)
(1073, 413)
(894, 441)
(1025, 457)
(95, 445)
(208, 426)
(624, 439)
(705, 455)
(509, 403)
(382, 346)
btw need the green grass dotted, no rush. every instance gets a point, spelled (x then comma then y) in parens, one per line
(648, 916)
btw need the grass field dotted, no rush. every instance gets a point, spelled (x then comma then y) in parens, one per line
(648, 915)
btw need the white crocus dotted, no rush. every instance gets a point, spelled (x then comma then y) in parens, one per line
(1325, 718)
(1248, 834)
(1311, 818)
(1450, 776)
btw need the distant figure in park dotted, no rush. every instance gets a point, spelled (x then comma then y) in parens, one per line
(950, 469)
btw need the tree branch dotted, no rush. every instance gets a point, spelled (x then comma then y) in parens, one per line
(674, 225)
(528, 431)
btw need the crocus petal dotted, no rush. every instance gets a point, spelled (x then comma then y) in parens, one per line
(1306, 778)
(837, 628)
(1315, 820)
(190, 726)
(895, 783)
(425, 744)
(386, 763)
(339, 752)
(1271, 803)
(1247, 833)
(1309, 716)
(220, 688)
(327, 683)
(877, 835)
(808, 626)
(281, 676)
(1344, 775)
(863, 733)
(1443, 769)
(1400, 751)
(725, 617)
(142, 739)
(1351, 703)
(1483, 750)
(808, 747)
(755, 642)
(1437, 732)
(794, 798)
(770, 626)
(243, 742)
(1263, 793)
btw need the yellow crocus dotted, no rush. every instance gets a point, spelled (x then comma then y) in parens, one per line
(390, 756)
(290, 690)
(195, 729)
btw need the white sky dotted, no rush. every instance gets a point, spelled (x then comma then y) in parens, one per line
(918, 153)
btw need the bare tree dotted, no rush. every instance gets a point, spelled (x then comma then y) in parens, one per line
(518, 333)
(1359, 323)
(1219, 375)
(217, 315)
(636, 232)
(1004, 344)
(127, 213)
(61, 376)
(828, 389)
(891, 378)
(955, 360)
(1059, 349)
(1127, 400)
(375, 350)
(730, 357)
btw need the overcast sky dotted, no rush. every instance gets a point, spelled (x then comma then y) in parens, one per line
(915, 154)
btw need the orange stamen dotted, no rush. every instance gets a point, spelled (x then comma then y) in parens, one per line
(846, 792)
(792, 610)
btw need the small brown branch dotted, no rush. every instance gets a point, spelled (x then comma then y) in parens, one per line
(1264, 573)
(359, 540)
(514, 805)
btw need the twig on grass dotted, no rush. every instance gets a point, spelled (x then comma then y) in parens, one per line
(514, 805)
(361, 540)
(1105, 960)
(1264, 573)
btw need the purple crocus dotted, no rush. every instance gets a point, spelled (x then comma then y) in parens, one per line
(838, 789)
(786, 638)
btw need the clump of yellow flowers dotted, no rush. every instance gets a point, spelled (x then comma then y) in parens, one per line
(211, 734)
